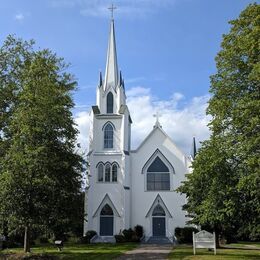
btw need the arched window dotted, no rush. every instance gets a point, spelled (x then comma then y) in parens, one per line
(110, 103)
(158, 211)
(108, 136)
(100, 172)
(107, 173)
(114, 173)
(158, 175)
(106, 211)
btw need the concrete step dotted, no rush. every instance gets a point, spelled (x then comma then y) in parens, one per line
(159, 240)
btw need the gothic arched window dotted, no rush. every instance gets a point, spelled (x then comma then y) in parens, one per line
(110, 103)
(106, 211)
(114, 173)
(100, 172)
(158, 175)
(108, 136)
(107, 172)
(158, 211)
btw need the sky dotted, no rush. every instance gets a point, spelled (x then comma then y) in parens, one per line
(165, 48)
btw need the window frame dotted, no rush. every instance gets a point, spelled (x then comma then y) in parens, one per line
(160, 185)
(110, 103)
(105, 166)
(108, 141)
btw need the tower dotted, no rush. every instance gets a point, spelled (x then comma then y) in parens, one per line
(108, 191)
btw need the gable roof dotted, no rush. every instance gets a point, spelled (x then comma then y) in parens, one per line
(157, 201)
(157, 128)
(106, 200)
(153, 156)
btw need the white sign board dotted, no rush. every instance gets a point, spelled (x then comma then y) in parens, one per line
(204, 239)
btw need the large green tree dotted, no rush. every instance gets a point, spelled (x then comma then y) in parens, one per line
(223, 190)
(40, 169)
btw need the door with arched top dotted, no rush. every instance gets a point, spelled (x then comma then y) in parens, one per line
(106, 221)
(158, 218)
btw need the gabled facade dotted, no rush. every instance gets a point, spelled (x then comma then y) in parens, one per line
(125, 187)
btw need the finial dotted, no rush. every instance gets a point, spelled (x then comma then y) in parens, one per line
(100, 79)
(112, 8)
(157, 123)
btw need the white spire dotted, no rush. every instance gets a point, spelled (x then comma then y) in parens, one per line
(111, 76)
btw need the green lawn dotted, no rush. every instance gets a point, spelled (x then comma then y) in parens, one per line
(244, 244)
(96, 251)
(186, 253)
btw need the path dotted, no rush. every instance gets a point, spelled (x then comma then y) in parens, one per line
(147, 251)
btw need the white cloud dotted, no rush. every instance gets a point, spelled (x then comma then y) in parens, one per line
(125, 8)
(19, 17)
(82, 119)
(180, 122)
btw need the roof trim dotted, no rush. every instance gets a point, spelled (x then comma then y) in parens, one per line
(157, 201)
(102, 203)
(153, 156)
(164, 133)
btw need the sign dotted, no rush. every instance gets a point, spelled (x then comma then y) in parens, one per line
(204, 239)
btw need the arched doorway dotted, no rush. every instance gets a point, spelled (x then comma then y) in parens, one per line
(158, 218)
(106, 221)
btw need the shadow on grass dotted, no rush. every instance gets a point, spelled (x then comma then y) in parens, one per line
(70, 251)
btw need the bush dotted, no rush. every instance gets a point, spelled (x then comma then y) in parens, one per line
(86, 239)
(139, 231)
(120, 238)
(128, 234)
(184, 235)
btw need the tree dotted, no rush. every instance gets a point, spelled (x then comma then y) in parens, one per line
(224, 187)
(40, 170)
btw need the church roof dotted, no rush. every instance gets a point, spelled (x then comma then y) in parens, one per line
(111, 75)
(193, 148)
(158, 127)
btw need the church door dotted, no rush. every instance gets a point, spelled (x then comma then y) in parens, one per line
(158, 216)
(106, 221)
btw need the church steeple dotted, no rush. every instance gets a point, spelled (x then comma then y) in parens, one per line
(193, 148)
(111, 75)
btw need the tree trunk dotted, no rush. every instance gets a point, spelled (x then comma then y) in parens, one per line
(27, 239)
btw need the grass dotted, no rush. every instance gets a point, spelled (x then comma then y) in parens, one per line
(244, 244)
(111, 251)
(77, 252)
(186, 253)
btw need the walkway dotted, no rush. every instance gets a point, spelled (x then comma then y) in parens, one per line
(147, 251)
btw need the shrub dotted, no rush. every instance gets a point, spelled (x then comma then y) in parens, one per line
(139, 231)
(184, 235)
(128, 234)
(86, 239)
(120, 238)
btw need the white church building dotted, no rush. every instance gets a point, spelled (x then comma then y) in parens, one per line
(128, 187)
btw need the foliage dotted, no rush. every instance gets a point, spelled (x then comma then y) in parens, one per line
(120, 238)
(184, 235)
(223, 191)
(139, 231)
(88, 236)
(128, 234)
(40, 172)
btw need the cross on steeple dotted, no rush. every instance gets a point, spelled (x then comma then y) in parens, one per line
(112, 8)
(157, 123)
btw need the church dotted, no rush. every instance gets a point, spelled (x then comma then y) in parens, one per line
(128, 187)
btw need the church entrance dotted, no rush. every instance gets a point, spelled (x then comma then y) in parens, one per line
(106, 221)
(158, 218)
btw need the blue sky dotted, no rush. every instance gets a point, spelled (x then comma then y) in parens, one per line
(166, 51)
